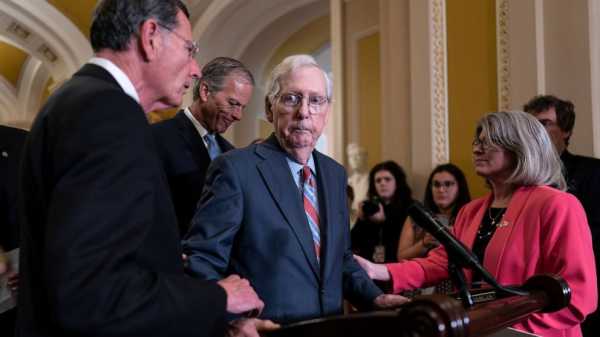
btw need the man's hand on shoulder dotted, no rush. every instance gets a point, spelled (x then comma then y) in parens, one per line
(241, 297)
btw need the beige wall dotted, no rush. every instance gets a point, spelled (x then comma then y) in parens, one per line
(369, 92)
(307, 40)
(361, 105)
(472, 80)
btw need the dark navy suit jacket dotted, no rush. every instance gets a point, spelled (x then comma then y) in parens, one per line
(100, 251)
(251, 222)
(185, 160)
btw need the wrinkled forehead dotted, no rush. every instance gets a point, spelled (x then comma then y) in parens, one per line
(306, 79)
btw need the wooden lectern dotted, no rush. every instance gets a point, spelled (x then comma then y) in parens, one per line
(442, 316)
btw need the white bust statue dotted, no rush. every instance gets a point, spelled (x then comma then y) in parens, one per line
(358, 177)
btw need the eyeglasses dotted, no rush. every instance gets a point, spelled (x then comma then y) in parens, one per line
(293, 100)
(191, 46)
(446, 184)
(485, 145)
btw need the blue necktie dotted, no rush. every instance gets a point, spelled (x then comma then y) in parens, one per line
(213, 147)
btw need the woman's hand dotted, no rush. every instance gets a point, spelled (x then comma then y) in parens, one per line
(378, 217)
(429, 241)
(375, 271)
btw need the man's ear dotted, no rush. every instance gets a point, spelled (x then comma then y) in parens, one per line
(150, 40)
(268, 109)
(203, 92)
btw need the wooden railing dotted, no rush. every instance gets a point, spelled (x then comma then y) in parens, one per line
(441, 316)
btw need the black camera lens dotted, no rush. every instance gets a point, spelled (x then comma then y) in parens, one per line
(370, 207)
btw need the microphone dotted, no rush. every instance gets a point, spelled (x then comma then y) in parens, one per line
(423, 218)
(457, 251)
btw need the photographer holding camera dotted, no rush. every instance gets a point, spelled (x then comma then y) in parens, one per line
(376, 234)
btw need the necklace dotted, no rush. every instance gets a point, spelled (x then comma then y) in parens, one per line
(486, 230)
(494, 220)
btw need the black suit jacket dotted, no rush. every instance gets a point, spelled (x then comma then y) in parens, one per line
(11, 145)
(100, 253)
(583, 180)
(185, 160)
(251, 222)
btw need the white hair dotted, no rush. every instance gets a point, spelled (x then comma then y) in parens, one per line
(288, 65)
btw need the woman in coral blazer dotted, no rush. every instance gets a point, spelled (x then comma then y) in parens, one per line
(527, 225)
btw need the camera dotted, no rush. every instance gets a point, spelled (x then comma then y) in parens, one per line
(370, 206)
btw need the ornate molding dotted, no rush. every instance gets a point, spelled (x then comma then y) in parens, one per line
(34, 77)
(503, 53)
(45, 33)
(439, 82)
(8, 100)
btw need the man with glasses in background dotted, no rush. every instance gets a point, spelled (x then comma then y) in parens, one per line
(276, 212)
(581, 173)
(188, 142)
(100, 251)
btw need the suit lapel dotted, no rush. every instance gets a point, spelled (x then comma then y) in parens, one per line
(326, 185)
(275, 172)
(193, 139)
(503, 232)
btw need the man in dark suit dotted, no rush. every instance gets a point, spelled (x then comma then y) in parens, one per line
(11, 145)
(100, 253)
(581, 173)
(188, 142)
(276, 212)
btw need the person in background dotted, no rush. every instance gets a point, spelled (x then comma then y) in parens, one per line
(188, 142)
(527, 225)
(582, 173)
(376, 234)
(12, 141)
(446, 193)
(100, 250)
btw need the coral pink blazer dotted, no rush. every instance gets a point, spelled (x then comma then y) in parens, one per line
(546, 231)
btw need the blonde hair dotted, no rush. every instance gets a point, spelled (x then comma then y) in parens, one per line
(536, 160)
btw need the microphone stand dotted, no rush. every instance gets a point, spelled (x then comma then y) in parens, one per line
(459, 256)
(457, 275)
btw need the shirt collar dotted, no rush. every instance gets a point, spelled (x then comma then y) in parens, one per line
(201, 130)
(118, 75)
(296, 167)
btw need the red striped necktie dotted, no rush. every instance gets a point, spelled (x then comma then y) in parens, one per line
(309, 190)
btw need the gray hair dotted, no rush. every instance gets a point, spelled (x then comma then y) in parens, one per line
(521, 134)
(115, 22)
(216, 71)
(288, 65)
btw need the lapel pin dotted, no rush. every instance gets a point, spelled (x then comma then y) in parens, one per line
(502, 223)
